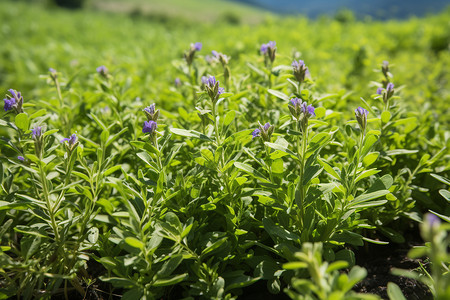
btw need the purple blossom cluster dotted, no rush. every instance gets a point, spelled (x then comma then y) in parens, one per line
(211, 85)
(13, 101)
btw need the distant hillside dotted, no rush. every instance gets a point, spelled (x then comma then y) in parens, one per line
(380, 9)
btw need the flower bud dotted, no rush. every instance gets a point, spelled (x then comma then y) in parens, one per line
(361, 117)
(265, 132)
(300, 70)
(151, 113)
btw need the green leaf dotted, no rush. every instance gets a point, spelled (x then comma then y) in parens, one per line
(370, 158)
(120, 282)
(295, 265)
(368, 196)
(22, 122)
(311, 172)
(240, 282)
(441, 179)
(385, 116)
(279, 94)
(169, 266)
(320, 112)
(134, 242)
(281, 148)
(112, 170)
(250, 170)
(38, 113)
(171, 281)
(400, 152)
(190, 133)
(93, 235)
(52, 131)
(229, 117)
(214, 246)
(346, 255)
(277, 166)
(337, 265)
(394, 292)
(329, 169)
(366, 173)
(279, 231)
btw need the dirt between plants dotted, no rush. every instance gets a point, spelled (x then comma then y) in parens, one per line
(380, 259)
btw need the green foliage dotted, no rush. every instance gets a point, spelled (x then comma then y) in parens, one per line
(218, 189)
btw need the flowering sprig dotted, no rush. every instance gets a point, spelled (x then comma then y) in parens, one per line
(151, 113)
(38, 138)
(53, 73)
(14, 102)
(72, 142)
(149, 128)
(301, 112)
(265, 132)
(220, 57)
(190, 54)
(268, 51)
(386, 93)
(212, 88)
(300, 70)
(361, 117)
(102, 71)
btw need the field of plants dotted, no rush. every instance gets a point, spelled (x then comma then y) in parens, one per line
(171, 158)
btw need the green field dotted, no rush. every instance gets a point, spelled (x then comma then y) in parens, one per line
(202, 205)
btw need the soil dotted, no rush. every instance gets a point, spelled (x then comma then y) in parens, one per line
(380, 259)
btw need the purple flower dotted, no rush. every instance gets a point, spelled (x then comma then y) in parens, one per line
(72, 139)
(296, 101)
(197, 46)
(102, 70)
(379, 90)
(265, 132)
(211, 81)
(297, 64)
(265, 48)
(432, 220)
(268, 50)
(36, 132)
(389, 87)
(177, 82)
(215, 54)
(310, 110)
(152, 113)
(20, 158)
(361, 117)
(14, 101)
(211, 86)
(9, 103)
(150, 109)
(300, 70)
(51, 70)
(149, 127)
(256, 133)
(361, 111)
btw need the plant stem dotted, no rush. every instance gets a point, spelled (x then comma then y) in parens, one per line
(47, 200)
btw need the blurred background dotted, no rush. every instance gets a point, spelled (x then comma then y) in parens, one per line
(376, 9)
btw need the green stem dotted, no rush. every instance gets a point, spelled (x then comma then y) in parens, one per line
(358, 160)
(47, 200)
(301, 152)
